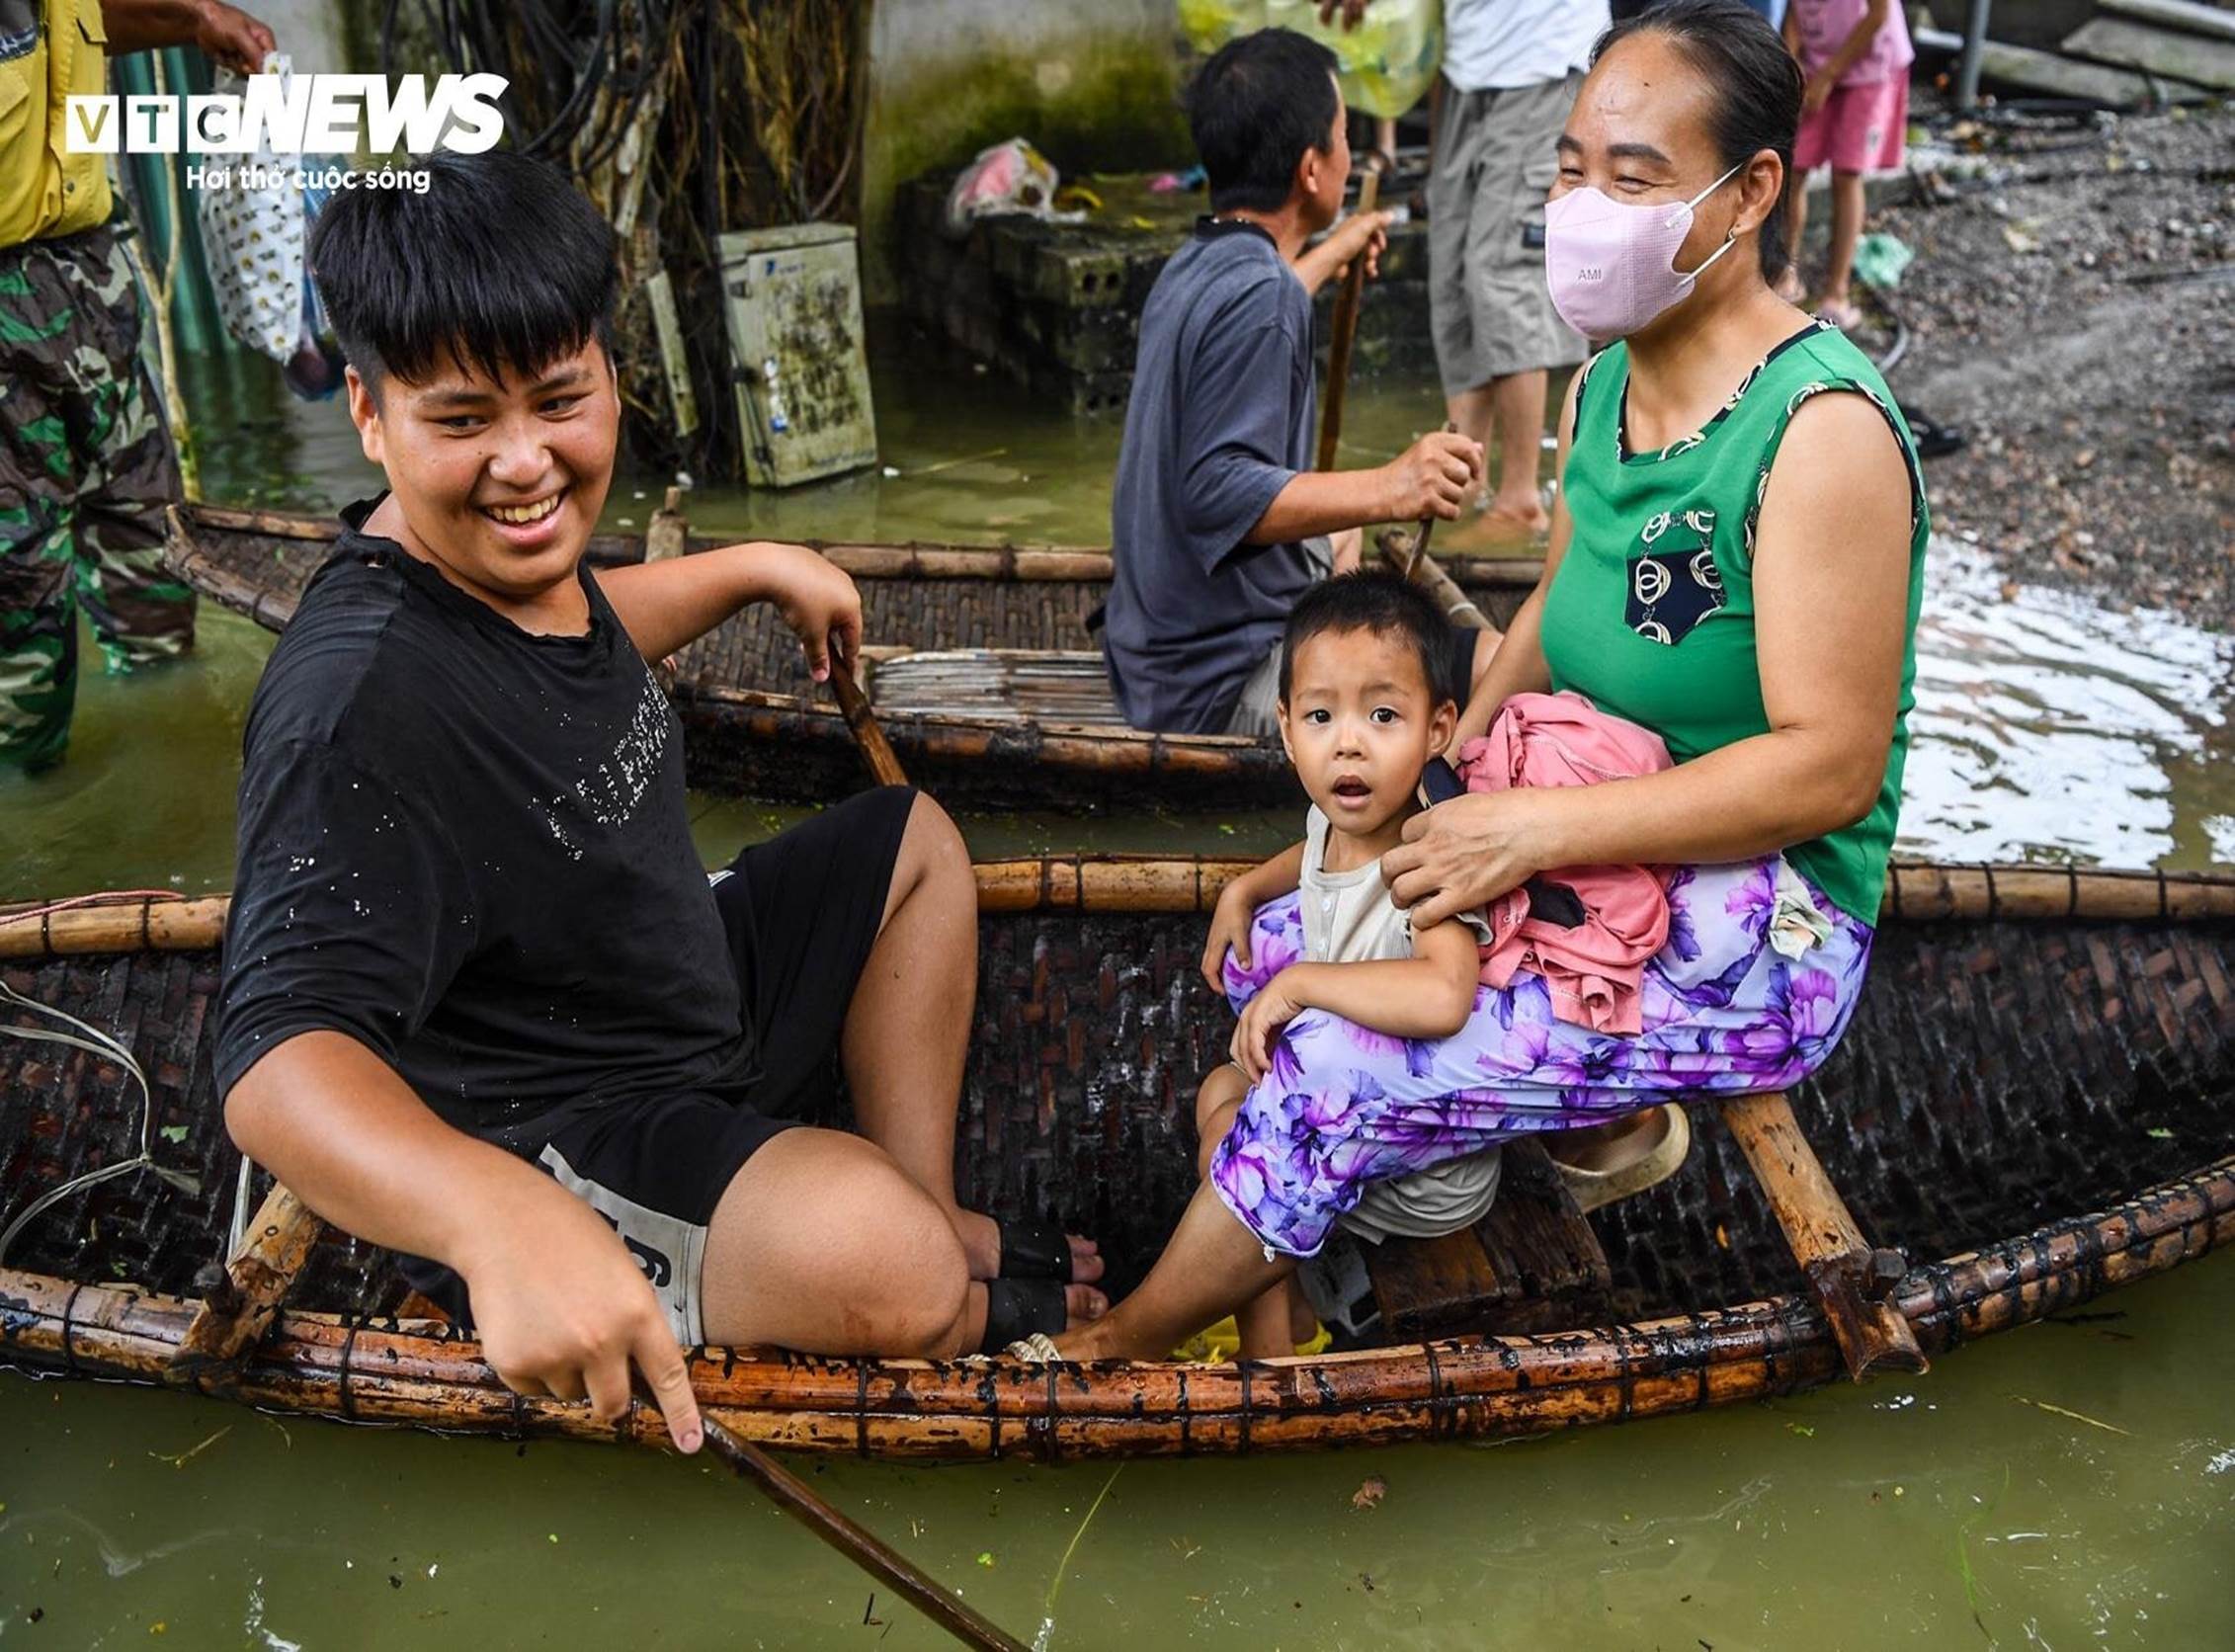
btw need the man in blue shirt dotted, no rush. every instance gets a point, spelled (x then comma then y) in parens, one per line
(1218, 524)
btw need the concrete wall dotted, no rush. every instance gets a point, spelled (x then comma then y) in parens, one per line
(1094, 83)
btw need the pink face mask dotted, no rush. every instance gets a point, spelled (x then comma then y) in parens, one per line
(1612, 264)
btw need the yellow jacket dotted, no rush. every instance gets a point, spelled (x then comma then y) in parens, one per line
(44, 189)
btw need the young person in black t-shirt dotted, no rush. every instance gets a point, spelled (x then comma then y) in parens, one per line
(481, 1002)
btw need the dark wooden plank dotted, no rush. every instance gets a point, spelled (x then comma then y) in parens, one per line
(1531, 1264)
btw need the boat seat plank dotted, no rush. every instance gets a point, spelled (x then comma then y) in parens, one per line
(1009, 684)
(1531, 1264)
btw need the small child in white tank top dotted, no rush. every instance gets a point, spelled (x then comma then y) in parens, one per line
(1362, 710)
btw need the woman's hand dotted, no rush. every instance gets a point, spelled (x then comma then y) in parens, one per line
(1817, 92)
(1275, 1006)
(1466, 853)
(1230, 921)
(817, 601)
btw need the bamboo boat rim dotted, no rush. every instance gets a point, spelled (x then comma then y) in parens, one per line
(863, 559)
(1630, 1369)
(1916, 891)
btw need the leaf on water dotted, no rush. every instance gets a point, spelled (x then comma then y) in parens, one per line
(1802, 1430)
(2159, 1133)
(985, 1557)
(1369, 1493)
(178, 1132)
(2075, 1416)
(1722, 1237)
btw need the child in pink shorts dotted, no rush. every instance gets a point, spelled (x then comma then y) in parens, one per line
(1854, 113)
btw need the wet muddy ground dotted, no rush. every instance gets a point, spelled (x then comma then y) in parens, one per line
(2072, 307)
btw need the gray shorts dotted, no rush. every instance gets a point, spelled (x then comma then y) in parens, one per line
(1494, 164)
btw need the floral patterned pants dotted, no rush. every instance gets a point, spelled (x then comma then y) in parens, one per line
(1724, 1012)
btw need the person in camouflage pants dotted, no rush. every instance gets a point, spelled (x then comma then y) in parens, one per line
(86, 471)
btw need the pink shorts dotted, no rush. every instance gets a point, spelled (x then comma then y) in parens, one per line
(1859, 128)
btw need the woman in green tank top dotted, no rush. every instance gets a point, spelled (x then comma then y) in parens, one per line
(1737, 549)
(1734, 564)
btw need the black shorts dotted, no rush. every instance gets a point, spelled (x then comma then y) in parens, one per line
(802, 911)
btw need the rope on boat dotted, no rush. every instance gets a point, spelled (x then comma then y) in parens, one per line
(104, 1047)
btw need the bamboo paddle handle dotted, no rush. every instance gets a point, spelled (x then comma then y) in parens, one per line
(1850, 1281)
(235, 1316)
(1427, 522)
(1342, 331)
(864, 1547)
(1408, 557)
(876, 751)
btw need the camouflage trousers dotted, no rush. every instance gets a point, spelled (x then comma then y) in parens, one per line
(86, 470)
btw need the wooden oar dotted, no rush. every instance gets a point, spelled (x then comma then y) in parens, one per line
(1427, 522)
(1342, 331)
(865, 1548)
(876, 751)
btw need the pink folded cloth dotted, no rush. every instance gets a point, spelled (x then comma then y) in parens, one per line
(1594, 969)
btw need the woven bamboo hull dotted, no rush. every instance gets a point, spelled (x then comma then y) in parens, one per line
(2039, 1088)
(754, 723)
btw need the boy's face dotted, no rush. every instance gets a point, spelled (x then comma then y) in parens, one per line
(1360, 723)
(501, 482)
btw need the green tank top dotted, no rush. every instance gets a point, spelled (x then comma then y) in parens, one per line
(1651, 614)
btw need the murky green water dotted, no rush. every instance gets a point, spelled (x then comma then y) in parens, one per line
(1954, 1510)
(1951, 1512)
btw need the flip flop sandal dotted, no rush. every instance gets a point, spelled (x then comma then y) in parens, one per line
(1595, 1187)
(1020, 1309)
(1034, 1248)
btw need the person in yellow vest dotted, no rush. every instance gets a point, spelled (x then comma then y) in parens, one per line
(86, 464)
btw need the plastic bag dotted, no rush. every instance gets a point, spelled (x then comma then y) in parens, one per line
(1010, 176)
(1388, 62)
(1210, 23)
(313, 369)
(253, 240)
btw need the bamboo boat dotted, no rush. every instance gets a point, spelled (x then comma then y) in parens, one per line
(2036, 1101)
(977, 661)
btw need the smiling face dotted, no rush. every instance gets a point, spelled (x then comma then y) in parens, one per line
(499, 482)
(1360, 723)
(1642, 133)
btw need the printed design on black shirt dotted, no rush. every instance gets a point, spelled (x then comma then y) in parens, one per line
(608, 796)
(1673, 582)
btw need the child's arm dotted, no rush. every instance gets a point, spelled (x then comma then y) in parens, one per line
(1849, 52)
(1237, 905)
(1429, 995)
(667, 604)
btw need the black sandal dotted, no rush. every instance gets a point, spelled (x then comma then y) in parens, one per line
(1018, 1309)
(1034, 1248)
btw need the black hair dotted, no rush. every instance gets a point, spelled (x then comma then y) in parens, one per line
(1254, 109)
(1756, 84)
(1377, 600)
(500, 265)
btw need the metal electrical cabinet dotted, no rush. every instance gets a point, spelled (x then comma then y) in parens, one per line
(794, 303)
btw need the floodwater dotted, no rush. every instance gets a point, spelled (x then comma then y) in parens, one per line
(2069, 1484)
